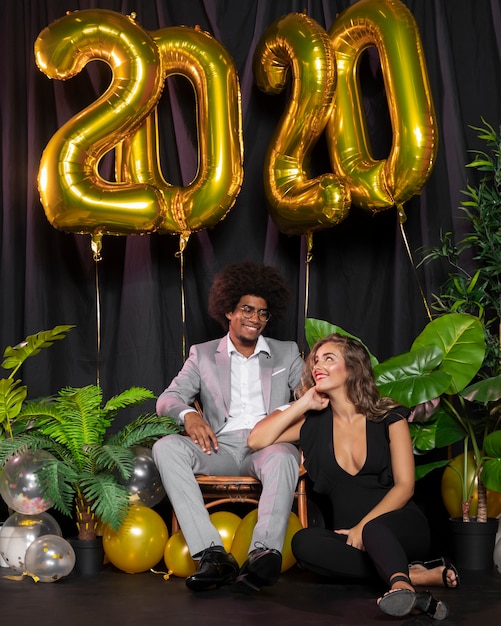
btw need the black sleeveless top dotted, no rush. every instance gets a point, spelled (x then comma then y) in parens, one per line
(351, 497)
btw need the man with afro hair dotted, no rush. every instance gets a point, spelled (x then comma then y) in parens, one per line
(238, 379)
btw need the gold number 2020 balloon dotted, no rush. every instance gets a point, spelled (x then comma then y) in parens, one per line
(297, 45)
(74, 195)
(390, 27)
(202, 203)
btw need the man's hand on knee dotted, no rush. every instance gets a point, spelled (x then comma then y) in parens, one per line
(200, 432)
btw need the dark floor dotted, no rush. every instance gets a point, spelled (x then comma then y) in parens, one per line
(298, 599)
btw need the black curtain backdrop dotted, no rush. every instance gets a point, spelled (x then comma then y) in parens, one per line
(360, 277)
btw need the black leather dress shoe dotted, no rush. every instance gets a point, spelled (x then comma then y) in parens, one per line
(261, 569)
(215, 568)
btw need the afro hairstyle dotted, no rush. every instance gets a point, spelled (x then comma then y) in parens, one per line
(247, 279)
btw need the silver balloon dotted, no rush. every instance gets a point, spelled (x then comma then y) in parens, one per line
(19, 484)
(49, 558)
(145, 485)
(19, 531)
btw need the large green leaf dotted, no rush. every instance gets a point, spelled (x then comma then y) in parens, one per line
(485, 390)
(461, 338)
(12, 396)
(449, 430)
(412, 378)
(423, 470)
(423, 436)
(492, 444)
(14, 356)
(491, 471)
(318, 329)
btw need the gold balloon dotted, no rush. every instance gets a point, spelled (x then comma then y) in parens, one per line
(226, 524)
(243, 537)
(206, 200)
(177, 556)
(139, 543)
(452, 492)
(390, 27)
(297, 45)
(74, 195)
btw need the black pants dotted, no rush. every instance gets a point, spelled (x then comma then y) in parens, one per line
(391, 541)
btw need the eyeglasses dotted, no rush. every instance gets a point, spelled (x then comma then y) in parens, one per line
(248, 312)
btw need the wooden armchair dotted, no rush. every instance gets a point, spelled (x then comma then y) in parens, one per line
(230, 489)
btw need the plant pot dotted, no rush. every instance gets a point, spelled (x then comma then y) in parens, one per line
(473, 543)
(89, 555)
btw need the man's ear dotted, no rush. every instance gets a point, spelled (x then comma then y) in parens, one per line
(228, 315)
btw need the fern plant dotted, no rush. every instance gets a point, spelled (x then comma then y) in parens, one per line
(87, 465)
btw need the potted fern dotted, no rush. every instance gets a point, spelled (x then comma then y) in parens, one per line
(88, 462)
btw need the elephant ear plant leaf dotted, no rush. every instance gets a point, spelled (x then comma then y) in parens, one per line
(89, 467)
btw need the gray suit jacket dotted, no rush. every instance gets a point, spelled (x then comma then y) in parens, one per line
(206, 375)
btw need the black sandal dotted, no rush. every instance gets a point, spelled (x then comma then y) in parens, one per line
(401, 602)
(442, 561)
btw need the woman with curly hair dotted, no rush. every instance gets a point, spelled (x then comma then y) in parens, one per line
(358, 452)
(238, 380)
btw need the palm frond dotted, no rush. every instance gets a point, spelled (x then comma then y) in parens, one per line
(130, 397)
(75, 420)
(58, 481)
(21, 443)
(145, 430)
(112, 457)
(109, 499)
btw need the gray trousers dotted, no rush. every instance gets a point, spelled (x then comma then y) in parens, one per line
(277, 467)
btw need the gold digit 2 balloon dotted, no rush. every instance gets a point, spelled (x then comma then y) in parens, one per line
(297, 45)
(206, 200)
(390, 27)
(74, 196)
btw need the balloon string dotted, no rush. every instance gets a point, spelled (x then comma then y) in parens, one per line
(309, 257)
(96, 246)
(183, 240)
(307, 240)
(401, 219)
(166, 575)
(22, 576)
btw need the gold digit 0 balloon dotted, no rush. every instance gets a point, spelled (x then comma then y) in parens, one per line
(206, 200)
(74, 196)
(298, 204)
(390, 27)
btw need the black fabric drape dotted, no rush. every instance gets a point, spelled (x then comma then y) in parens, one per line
(360, 275)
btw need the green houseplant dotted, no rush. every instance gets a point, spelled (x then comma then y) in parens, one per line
(87, 462)
(12, 392)
(473, 284)
(473, 264)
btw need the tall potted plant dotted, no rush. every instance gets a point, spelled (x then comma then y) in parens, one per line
(473, 285)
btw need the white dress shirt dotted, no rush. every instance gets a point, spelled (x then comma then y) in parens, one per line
(246, 403)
